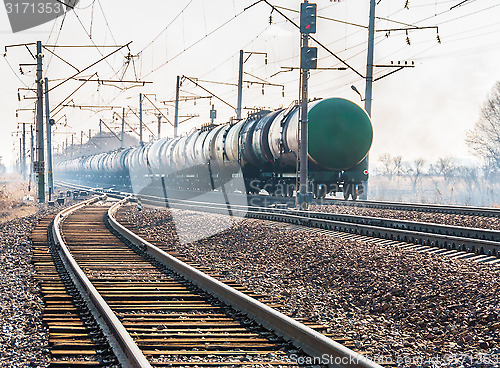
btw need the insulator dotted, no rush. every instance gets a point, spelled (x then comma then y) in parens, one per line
(438, 39)
(270, 19)
(408, 40)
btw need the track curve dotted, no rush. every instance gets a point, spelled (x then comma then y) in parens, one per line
(171, 321)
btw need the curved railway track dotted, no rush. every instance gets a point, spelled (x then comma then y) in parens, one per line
(466, 242)
(266, 200)
(151, 309)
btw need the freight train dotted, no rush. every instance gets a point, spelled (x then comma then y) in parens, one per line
(262, 150)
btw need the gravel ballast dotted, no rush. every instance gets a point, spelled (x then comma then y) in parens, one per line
(395, 304)
(23, 339)
(481, 222)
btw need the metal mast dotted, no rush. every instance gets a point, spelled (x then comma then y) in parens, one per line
(176, 117)
(140, 119)
(240, 87)
(159, 126)
(24, 152)
(369, 62)
(303, 159)
(308, 60)
(369, 78)
(40, 161)
(49, 140)
(123, 127)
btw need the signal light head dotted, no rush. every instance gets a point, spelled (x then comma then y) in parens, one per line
(365, 172)
(308, 18)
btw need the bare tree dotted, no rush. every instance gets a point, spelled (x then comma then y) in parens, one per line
(397, 163)
(415, 170)
(391, 165)
(484, 139)
(444, 167)
(386, 161)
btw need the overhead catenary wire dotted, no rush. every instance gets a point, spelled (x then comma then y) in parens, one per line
(161, 112)
(167, 27)
(195, 43)
(107, 97)
(206, 90)
(90, 66)
(315, 40)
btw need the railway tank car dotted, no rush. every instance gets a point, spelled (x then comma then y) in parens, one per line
(262, 149)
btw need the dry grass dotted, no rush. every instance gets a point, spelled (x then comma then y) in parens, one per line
(12, 191)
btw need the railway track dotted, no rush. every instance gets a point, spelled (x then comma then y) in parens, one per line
(475, 241)
(433, 208)
(151, 309)
(74, 337)
(265, 200)
(467, 242)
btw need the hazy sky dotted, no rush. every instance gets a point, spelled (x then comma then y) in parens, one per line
(419, 112)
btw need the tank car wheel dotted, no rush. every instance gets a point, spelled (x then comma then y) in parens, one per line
(354, 194)
(346, 195)
(321, 191)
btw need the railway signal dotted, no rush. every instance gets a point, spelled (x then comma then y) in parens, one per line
(307, 18)
(308, 58)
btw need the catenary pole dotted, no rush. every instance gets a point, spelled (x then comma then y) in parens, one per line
(123, 127)
(24, 152)
(176, 117)
(49, 140)
(40, 161)
(20, 162)
(369, 77)
(159, 126)
(140, 119)
(100, 134)
(303, 159)
(369, 61)
(240, 87)
(32, 155)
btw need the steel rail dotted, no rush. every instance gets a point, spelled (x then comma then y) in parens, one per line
(427, 227)
(310, 341)
(478, 241)
(433, 208)
(124, 347)
(407, 233)
(420, 207)
(413, 226)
